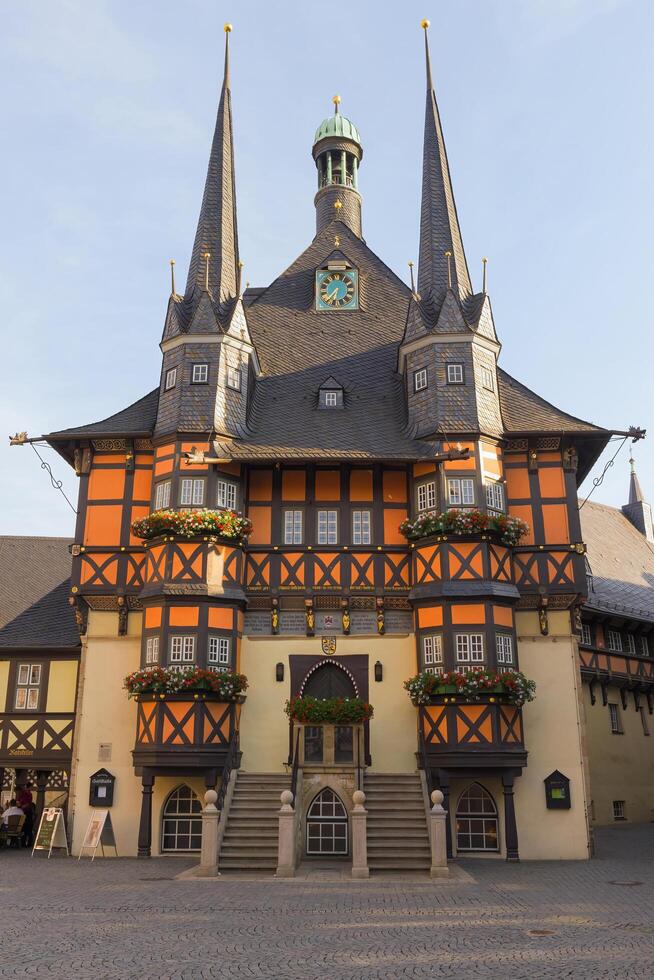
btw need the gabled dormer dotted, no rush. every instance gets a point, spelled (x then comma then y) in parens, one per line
(331, 394)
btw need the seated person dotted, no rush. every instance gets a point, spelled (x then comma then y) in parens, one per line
(11, 811)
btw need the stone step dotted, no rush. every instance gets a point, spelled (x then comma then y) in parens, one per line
(255, 858)
(396, 833)
(252, 833)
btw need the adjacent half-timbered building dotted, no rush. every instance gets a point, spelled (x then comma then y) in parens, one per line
(339, 410)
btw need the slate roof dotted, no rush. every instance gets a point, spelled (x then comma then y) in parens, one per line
(299, 348)
(621, 563)
(523, 411)
(34, 591)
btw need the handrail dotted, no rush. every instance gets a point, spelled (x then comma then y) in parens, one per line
(296, 764)
(232, 755)
(425, 763)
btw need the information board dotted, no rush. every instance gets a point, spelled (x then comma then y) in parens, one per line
(51, 832)
(99, 833)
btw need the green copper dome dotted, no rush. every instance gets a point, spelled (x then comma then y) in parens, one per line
(339, 126)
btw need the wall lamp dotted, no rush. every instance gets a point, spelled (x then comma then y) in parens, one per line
(279, 672)
(379, 671)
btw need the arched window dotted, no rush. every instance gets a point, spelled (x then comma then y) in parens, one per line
(329, 681)
(327, 826)
(182, 821)
(476, 821)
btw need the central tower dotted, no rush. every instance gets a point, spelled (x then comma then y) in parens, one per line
(338, 152)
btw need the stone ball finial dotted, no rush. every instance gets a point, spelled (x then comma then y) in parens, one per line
(286, 797)
(437, 797)
(210, 797)
(358, 797)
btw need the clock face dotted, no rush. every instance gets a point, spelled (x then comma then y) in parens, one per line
(336, 290)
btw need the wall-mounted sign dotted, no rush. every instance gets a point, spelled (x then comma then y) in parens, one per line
(557, 791)
(101, 791)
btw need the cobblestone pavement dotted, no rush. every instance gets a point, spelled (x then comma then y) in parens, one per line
(128, 918)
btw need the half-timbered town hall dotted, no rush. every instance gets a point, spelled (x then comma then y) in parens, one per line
(332, 489)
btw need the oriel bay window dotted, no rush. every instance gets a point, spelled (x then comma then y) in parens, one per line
(182, 651)
(152, 650)
(495, 496)
(461, 492)
(162, 495)
(426, 496)
(28, 687)
(469, 648)
(226, 494)
(191, 493)
(327, 527)
(504, 649)
(432, 653)
(361, 527)
(218, 653)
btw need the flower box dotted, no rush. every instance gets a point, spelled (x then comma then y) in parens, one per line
(332, 711)
(460, 523)
(472, 685)
(193, 523)
(164, 682)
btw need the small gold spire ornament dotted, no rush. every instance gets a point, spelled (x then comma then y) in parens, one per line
(424, 24)
(337, 101)
(338, 205)
(337, 241)
(483, 288)
(227, 28)
(448, 256)
(206, 257)
(172, 277)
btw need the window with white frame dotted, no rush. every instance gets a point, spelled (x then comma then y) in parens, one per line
(426, 493)
(234, 378)
(495, 496)
(361, 527)
(182, 649)
(432, 652)
(644, 646)
(162, 495)
(470, 648)
(293, 526)
(218, 653)
(226, 494)
(631, 642)
(460, 492)
(199, 374)
(331, 399)
(487, 378)
(191, 493)
(420, 379)
(586, 635)
(618, 810)
(504, 648)
(28, 687)
(455, 374)
(327, 527)
(613, 640)
(614, 718)
(152, 650)
(171, 379)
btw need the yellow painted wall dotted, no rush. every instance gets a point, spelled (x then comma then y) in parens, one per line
(553, 737)
(62, 684)
(106, 715)
(264, 726)
(621, 766)
(4, 681)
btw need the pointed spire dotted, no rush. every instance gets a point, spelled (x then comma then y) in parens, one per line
(635, 493)
(439, 224)
(216, 233)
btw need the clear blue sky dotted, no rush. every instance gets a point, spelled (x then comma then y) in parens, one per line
(107, 113)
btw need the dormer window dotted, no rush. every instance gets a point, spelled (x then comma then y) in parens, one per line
(330, 394)
(234, 378)
(455, 374)
(200, 374)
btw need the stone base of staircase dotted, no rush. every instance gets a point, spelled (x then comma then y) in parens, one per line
(398, 838)
(251, 832)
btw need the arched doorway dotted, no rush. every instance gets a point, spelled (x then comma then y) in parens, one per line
(329, 680)
(327, 826)
(181, 828)
(476, 821)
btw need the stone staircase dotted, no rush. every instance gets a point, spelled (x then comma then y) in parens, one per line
(250, 841)
(398, 838)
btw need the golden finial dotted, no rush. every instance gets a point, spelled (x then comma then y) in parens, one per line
(206, 257)
(337, 101)
(483, 287)
(227, 28)
(448, 256)
(337, 241)
(338, 205)
(172, 276)
(424, 24)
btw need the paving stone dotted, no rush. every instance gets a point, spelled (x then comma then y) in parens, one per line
(131, 919)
